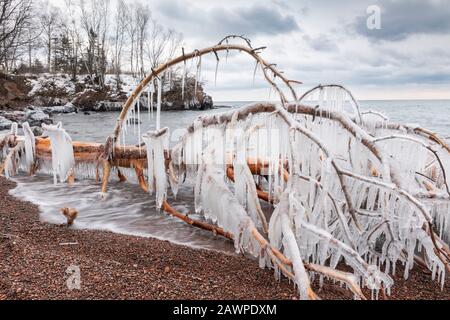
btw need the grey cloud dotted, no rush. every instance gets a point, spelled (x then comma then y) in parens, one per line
(403, 18)
(352, 70)
(383, 63)
(432, 78)
(256, 19)
(321, 43)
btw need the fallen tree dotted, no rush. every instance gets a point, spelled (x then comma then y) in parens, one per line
(341, 184)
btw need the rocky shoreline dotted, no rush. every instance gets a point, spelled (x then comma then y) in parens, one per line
(35, 98)
(35, 116)
(35, 257)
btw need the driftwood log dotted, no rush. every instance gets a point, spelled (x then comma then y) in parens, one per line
(347, 212)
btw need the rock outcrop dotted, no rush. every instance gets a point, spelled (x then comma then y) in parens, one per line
(33, 115)
(194, 97)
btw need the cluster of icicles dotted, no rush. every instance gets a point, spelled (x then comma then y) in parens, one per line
(343, 186)
(22, 157)
(146, 100)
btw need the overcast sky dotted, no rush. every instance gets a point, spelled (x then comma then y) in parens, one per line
(322, 41)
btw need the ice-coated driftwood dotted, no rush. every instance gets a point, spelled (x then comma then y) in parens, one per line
(340, 184)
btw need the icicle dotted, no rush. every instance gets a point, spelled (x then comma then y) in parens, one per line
(133, 117)
(215, 73)
(170, 78)
(10, 162)
(221, 206)
(194, 147)
(198, 76)
(30, 143)
(63, 161)
(183, 81)
(301, 277)
(148, 99)
(198, 189)
(152, 91)
(123, 136)
(10, 167)
(157, 142)
(158, 105)
(254, 72)
(139, 122)
(14, 129)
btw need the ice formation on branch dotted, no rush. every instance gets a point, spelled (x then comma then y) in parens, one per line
(244, 184)
(220, 206)
(339, 185)
(14, 129)
(10, 152)
(334, 98)
(338, 200)
(156, 143)
(30, 145)
(150, 92)
(183, 81)
(158, 104)
(63, 161)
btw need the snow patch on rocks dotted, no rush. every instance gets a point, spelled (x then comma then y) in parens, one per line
(54, 82)
(67, 108)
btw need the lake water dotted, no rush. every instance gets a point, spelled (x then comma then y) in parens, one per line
(127, 209)
(430, 114)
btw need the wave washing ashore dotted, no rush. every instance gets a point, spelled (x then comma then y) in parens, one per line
(304, 187)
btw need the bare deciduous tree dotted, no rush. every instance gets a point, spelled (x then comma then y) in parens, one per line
(162, 44)
(121, 25)
(77, 37)
(131, 30)
(15, 17)
(95, 22)
(49, 21)
(143, 16)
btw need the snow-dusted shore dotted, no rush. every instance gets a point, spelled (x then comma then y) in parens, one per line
(35, 98)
